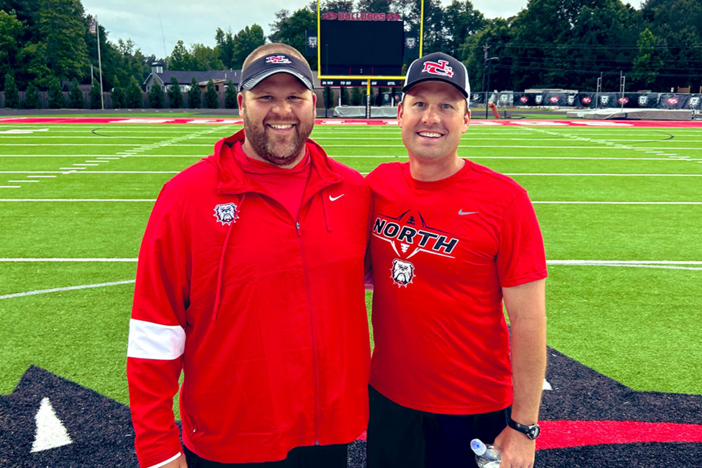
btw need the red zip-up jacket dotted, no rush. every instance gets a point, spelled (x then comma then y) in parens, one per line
(265, 315)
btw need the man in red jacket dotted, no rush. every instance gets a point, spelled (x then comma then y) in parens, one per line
(250, 282)
(451, 241)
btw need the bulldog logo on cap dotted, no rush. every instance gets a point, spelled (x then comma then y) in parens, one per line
(440, 68)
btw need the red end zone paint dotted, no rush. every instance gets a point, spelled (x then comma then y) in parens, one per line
(355, 122)
(564, 434)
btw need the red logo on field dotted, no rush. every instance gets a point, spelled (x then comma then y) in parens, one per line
(277, 59)
(440, 68)
(394, 17)
(523, 99)
(330, 15)
(672, 101)
(623, 100)
(587, 100)
(554, 99)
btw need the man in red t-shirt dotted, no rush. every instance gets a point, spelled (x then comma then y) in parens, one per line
(451, 241)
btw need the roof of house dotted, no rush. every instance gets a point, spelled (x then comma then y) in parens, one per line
(186, 77)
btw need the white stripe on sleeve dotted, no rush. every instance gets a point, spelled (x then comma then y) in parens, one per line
(153, 341)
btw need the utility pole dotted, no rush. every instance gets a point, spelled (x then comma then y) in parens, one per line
(486, 48)
(599, 90)
(622, 87)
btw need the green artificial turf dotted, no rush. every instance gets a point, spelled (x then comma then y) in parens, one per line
(636, 325)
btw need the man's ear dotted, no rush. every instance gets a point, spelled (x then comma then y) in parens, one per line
(240, 100)
(399, 114)
(466, 120)
(314, 103)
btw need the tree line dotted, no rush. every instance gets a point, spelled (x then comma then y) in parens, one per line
(549, 43)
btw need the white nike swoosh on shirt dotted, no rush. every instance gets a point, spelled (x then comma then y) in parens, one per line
(336, 198)
(462, 213)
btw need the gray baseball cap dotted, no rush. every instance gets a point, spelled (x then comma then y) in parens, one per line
(270, 64)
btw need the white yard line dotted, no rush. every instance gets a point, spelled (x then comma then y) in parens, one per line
(69, 288)
(612, 203)
(67, 260)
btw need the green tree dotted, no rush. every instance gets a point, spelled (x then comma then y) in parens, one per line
(245, 42)
(345, 96)
(32, 64)
(63, 29)
(225, 47)
(291, 30)
(11, 32)
(211, 98)
(461, 20)
(11, 92)
(230, 101)
(356, 97)
(156, 96)
(56, 99)
(75, 96)
(32, 99)
(647, 64)
(180, 59)
(194, 95)
(119, 98)
(496, 35)
(328, 98)
(135, 99)
(375, 6)
(205, 58)
(95, 101)
(175, 97)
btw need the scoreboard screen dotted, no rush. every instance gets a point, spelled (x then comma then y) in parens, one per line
(361, 47)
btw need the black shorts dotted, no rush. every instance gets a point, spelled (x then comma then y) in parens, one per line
(318, 456)
(400, 437)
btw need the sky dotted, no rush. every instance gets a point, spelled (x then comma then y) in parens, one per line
(156, 25)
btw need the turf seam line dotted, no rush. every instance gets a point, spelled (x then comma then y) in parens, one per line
(69, 288)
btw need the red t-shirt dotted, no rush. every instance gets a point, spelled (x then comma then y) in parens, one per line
(441, 253)
(285, 186)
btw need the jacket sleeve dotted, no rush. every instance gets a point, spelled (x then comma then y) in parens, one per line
(157, 332)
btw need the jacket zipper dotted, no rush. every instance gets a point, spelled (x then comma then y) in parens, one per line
(314, 345)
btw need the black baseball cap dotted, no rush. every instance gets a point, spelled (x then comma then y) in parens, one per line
(270, 64)
(438, 67)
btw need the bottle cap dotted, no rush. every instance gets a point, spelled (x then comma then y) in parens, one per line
(478, 447)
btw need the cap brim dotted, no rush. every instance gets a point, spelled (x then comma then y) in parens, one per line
(256, 80)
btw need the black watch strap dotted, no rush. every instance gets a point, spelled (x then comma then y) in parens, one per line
(532, 432)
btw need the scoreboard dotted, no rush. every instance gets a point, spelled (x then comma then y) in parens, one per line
(355, 45)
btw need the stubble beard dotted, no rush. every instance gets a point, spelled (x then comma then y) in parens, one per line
(279, 154)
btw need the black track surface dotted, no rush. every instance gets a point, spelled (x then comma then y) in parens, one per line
(102, 433)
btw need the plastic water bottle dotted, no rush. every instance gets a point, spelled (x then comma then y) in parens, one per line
(486, 456)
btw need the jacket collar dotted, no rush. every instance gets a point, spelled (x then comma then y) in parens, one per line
(233, 180)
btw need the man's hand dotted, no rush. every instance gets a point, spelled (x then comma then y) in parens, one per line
(517, 450)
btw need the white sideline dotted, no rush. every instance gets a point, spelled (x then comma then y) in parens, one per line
(70, 288)
(664, 264)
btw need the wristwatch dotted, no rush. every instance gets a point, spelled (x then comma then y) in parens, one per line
(532, 432)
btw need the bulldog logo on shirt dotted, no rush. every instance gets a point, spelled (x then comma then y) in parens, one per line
(409, 235)
(226, 213)
(402, 272)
